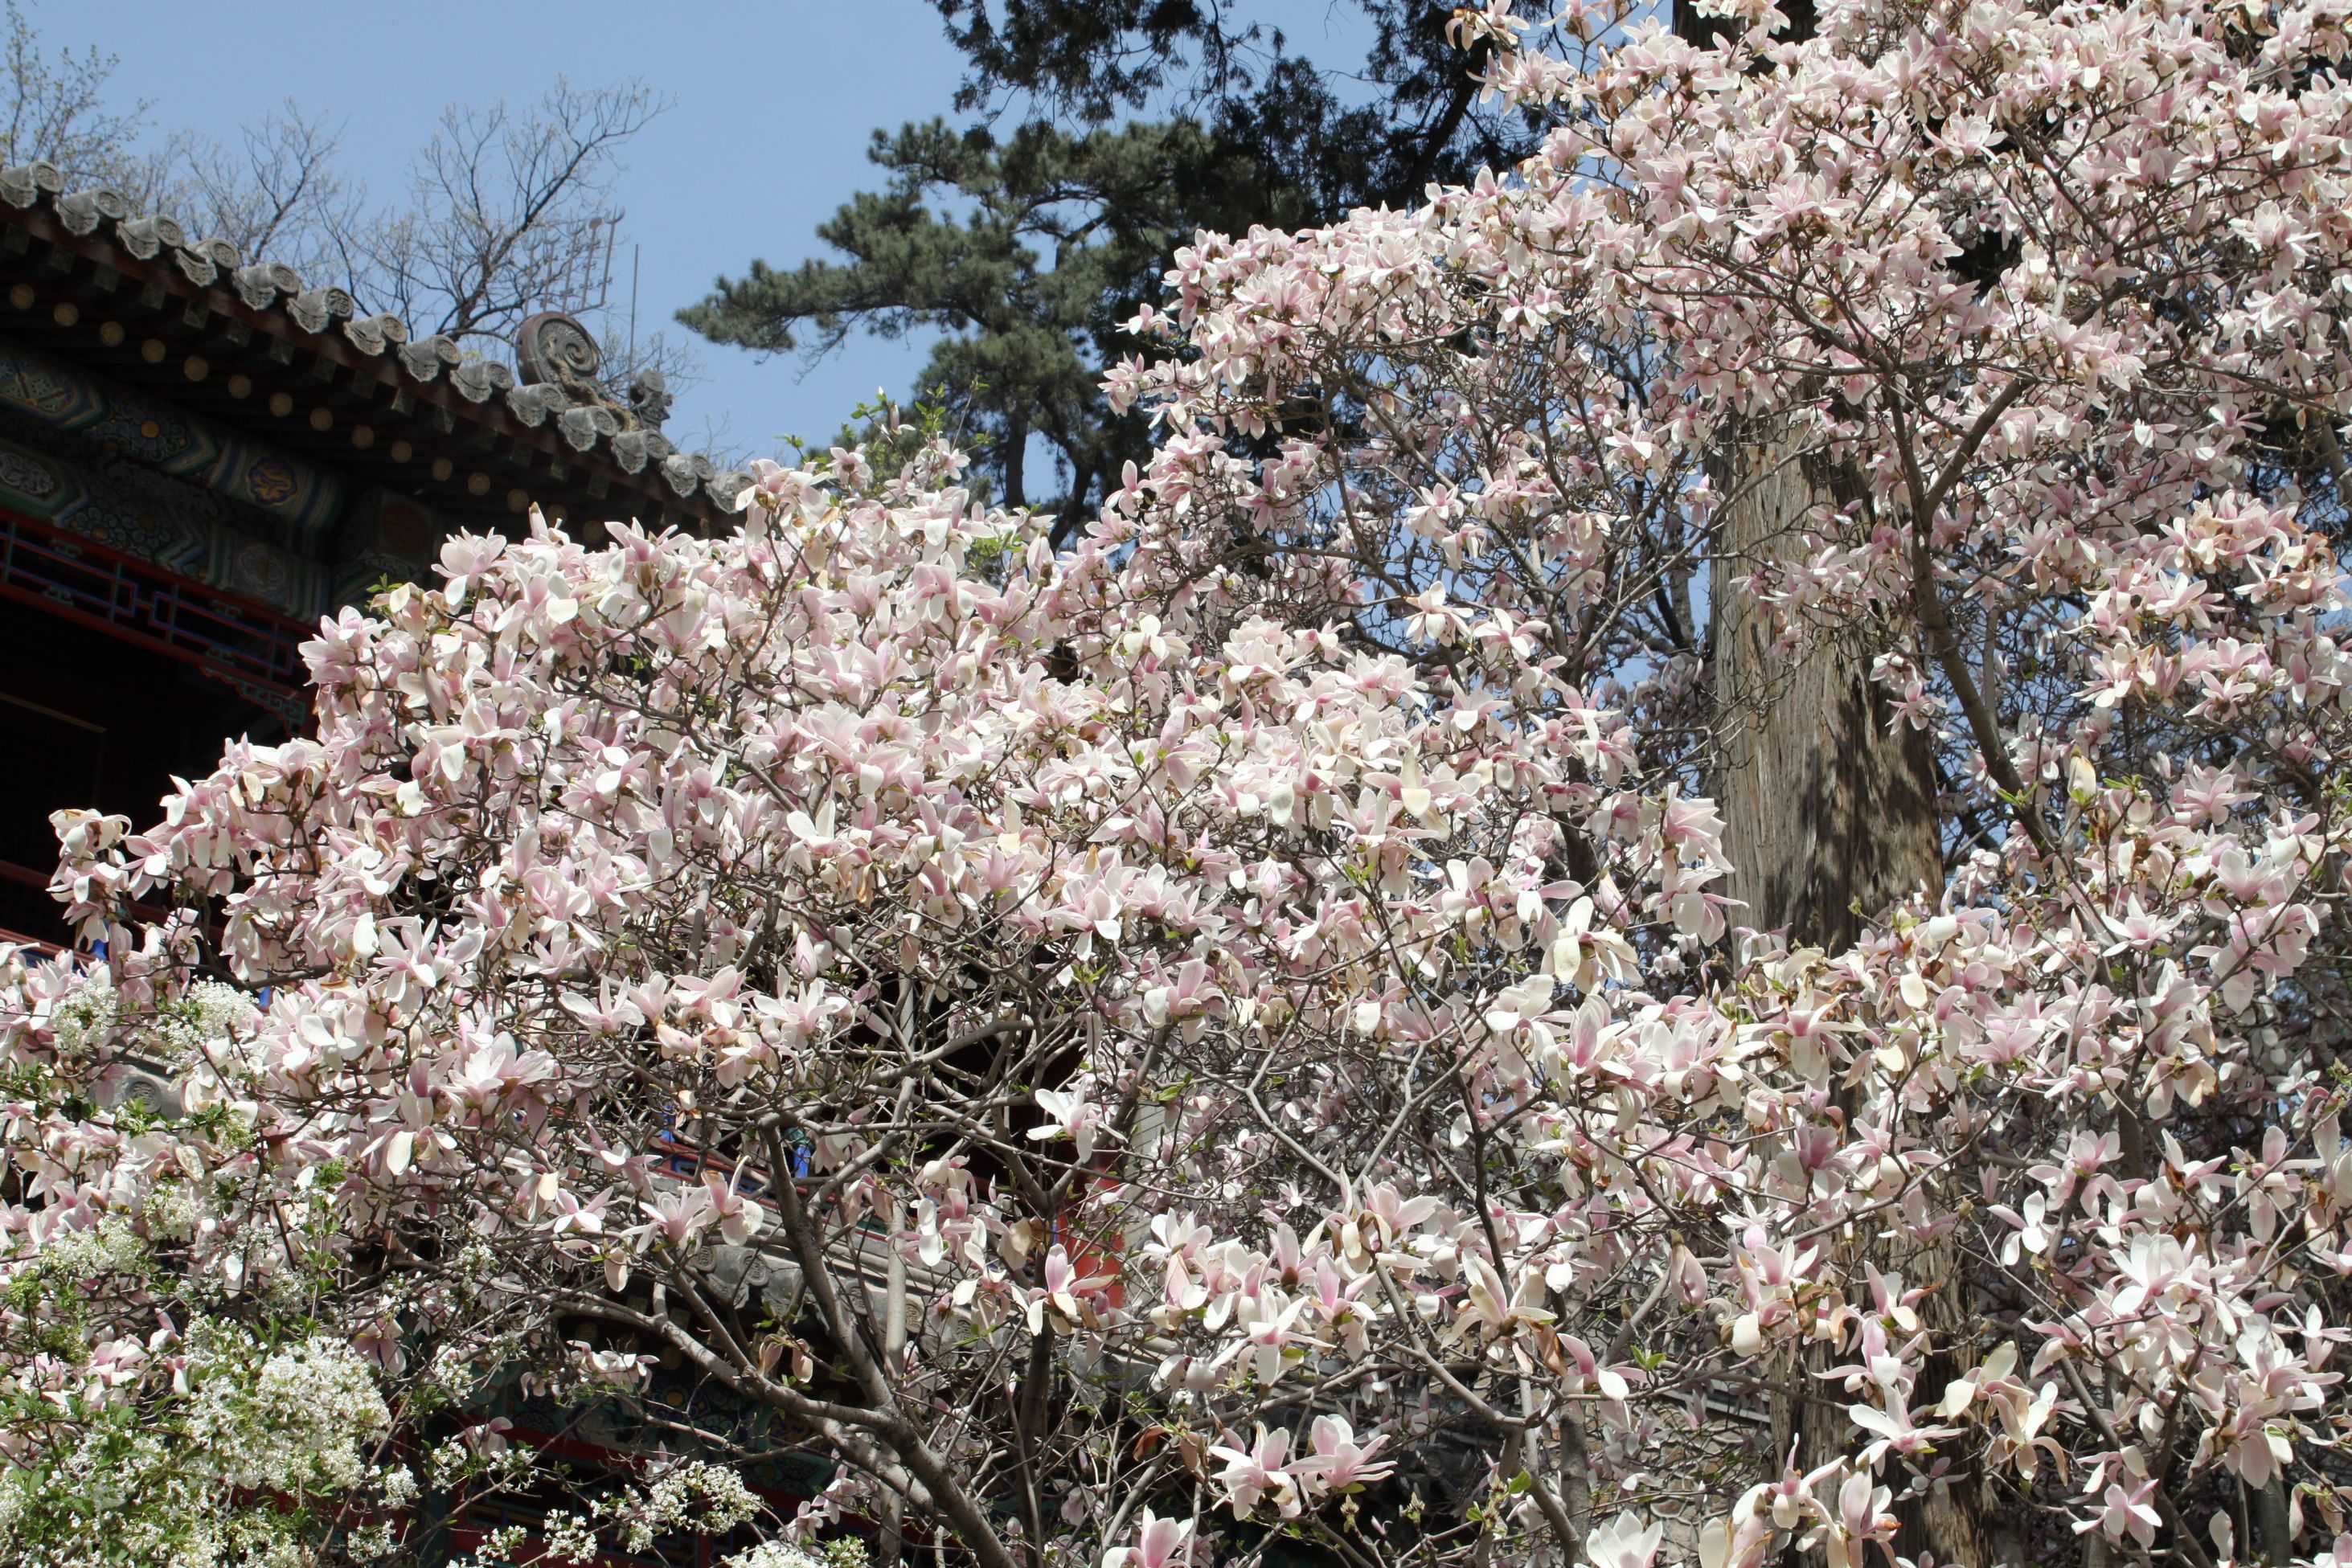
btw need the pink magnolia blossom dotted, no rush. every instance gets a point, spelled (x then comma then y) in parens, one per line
(1273, 961)
(1159, 1543)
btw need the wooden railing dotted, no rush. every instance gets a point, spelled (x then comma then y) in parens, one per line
(250, 646)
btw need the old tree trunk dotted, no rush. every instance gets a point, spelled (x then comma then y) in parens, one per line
(1830, 818)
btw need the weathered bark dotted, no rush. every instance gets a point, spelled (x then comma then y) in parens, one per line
(2273, 1533)
(1830, 818)
(1959, 1522)
(892, 1538)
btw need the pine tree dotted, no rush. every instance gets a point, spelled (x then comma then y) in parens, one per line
(1033, 248)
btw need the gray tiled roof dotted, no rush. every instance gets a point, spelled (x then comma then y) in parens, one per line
(590, 429)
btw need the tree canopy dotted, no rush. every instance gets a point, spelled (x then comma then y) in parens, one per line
(1233, 1037)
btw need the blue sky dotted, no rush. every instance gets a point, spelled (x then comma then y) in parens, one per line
(773, 104)
(772, 107)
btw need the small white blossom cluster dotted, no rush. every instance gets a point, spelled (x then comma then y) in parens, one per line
(172, 1211)
(775, 1555)
(197, 1027)
(505, 1544)
(688, 1496)
(397, 1484)
(294, 1422)
(107, 1248)
(85, 1016)
(693, 1495)
(372, 1541)
(569, 1537)
(480, 1452)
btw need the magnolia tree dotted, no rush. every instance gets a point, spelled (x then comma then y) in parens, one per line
(1234, 1038)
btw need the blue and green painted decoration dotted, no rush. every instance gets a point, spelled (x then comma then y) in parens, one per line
(169, 487)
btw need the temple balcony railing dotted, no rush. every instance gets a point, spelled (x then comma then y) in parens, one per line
(251, 647)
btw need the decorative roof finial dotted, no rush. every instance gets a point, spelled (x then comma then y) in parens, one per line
(552, 346)
(649, 398)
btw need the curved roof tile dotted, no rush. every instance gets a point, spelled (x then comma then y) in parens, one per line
(273, 289)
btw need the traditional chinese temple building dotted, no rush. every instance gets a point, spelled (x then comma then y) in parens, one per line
(200, 455)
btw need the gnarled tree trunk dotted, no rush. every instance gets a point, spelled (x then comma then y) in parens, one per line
(1830, 818)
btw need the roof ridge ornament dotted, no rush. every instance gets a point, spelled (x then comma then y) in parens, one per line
(553, 347)
(314, 309)
(554, 350)
(22, 185)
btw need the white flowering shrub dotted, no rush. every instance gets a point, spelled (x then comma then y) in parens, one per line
(288, 1420)
(789, 1554)
(189, 1448)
